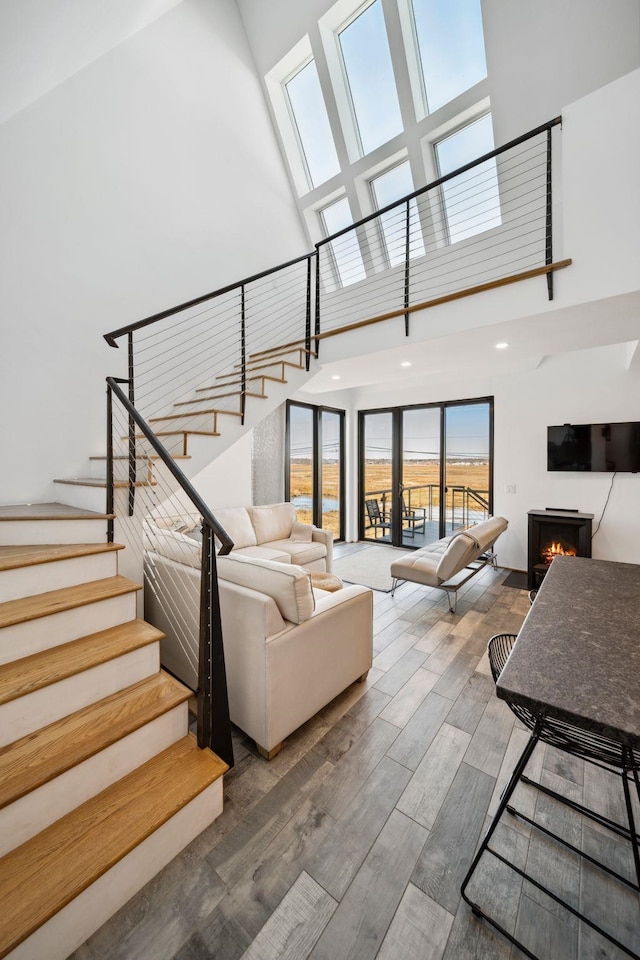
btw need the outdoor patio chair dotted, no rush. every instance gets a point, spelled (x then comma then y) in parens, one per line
(414, 518)
(378, 520)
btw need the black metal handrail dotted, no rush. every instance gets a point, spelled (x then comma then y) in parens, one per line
(214, 725)
(443, 179)
(114, 335)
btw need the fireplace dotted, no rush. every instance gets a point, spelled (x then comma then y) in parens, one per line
(555, 533)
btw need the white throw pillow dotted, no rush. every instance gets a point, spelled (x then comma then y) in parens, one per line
(301, 532)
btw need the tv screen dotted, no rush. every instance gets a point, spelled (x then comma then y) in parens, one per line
(594, 447)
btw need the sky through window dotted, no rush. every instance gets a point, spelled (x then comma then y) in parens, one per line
(312, 124)
(451, 47)
(367, 62)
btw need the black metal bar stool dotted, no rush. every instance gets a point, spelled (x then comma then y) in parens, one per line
(614, 757)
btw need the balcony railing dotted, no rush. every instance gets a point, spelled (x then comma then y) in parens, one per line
(464, 506)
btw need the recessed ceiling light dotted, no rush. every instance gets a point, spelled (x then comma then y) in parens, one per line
(335, 377)
(501, 346)
(406, 363)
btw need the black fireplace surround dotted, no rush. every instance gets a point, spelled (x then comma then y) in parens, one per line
(555, 532)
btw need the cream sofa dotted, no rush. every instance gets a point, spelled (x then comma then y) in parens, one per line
(289, 648)
(448, 563)
(269, 532)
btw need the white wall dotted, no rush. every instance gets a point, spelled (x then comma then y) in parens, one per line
(545, 54)
(45, 43)
(148, 177)
(227, 482)
(588, 386)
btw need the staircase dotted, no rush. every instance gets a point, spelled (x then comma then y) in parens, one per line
(101, 784)
(195, 430)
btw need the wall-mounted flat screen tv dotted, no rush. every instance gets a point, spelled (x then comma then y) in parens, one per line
(594, 447)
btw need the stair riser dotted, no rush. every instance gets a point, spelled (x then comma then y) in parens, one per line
(42, 707)
(87, 498)
(32, 636)
(69, 928)
(144, 470)
(205, 421)
(27, 816)
(29, 581)
(25, 532)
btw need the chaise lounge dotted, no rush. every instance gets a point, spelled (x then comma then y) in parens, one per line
(443, 564)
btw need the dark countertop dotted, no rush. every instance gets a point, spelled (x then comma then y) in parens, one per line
(578, 653)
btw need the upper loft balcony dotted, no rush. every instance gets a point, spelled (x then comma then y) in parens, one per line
(483, 248)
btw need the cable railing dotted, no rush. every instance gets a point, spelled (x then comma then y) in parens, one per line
(420, 509)
(175, 544)
(483, 225)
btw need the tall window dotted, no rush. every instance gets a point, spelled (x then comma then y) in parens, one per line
(311, 124)
(425, 471)
(314, 480)
(450, 44)
(471, 200)
(345, 250)
(387, 188)
(369, 71)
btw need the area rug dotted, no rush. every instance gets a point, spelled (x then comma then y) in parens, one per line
(516, 579)
(369, 566)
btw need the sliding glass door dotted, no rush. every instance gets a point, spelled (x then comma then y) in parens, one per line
(425, 471)
(467, 464)
(420, 469)
(377, 476)
(314, 474)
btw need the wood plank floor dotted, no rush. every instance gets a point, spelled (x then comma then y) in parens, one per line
(352, 843)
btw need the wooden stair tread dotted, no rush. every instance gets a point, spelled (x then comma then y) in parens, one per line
(253, 365)
(22, 677)
(40, 877)
(49, 511)
(179, 433)
(40, 756)
(66, 598)
(236, 383)
(13, 557)
(144, 457)
(219, 396)
(195, 413)
(282, 351)
(101, 484)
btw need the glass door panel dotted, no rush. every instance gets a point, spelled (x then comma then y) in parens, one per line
(377, 480)
(420, 479)
(301, 461)
(331, 492)
(467, 431)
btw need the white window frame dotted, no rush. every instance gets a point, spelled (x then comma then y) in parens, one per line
(382, 243)
(328, 201)
(338, 18)
(296, 60)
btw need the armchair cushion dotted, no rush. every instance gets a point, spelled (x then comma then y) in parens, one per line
(288, 585)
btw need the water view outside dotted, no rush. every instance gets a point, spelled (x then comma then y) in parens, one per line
(302, 462)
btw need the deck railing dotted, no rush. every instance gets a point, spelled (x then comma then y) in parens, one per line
(463, 505)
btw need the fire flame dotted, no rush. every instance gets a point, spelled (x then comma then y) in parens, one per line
(557, 550)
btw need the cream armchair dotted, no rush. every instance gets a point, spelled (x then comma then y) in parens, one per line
(289, 648)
